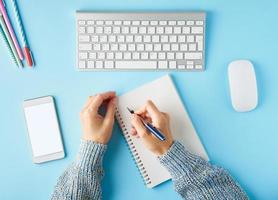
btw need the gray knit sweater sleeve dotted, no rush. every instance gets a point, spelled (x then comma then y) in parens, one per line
(194, 178)
(82, 178)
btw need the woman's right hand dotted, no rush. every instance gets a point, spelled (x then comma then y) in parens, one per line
(159, 120)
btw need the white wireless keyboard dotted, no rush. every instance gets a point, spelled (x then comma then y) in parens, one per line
(140, 41)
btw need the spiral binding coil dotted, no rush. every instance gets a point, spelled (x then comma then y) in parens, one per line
(132, 149)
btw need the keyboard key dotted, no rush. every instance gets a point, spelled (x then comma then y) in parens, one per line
(174, 47)
(82, 22)
(134, 30)
(190, 23)
(163, 23)
(192, 47)
(181, 23)
(164, 38)
(82, 64)
(103, 38)
(153, 56)
(83, 55)
(172, 23)
(144, 56)
(116, 29)
(99, 29)
(107, 30)
(172, 64)
(162, 56)
(129, 38)
(136, 56)
(148, 47)
(114, 47)
(166, 47)
(181, 38)
(127, 56)
(108, 22)
(91, 64)
(105, 47)
(109, 64)
(140, 47)
(142, 30)
(82, 29)
(127, 23)
(125, 30)
(131, 47)
(151, 30)
(95, 38)
(162, 64)
(138, 38)
(198, 67)
(155, 38)
(190, 38)
(177, 30)
(154, 23)
(173, 38)
(101, 55)
(90, 22)
(122, 47)
(145, 23)
(85, 47)
(181, 66)
(99, 64)
(135, 64)
(200, 23)
(179, 56)
(119, 55)
(197, 30)
(146, 38)
(183, 47)
(110, 55)
(160, 30)
(168, 30)
(186, 30)
(96, 47)
(112, 38)
(157, 47)
(170, 56)
(192, 56)
(93, 55)
(136, 23)
(117, 23)
(84, 38)
(99, 22)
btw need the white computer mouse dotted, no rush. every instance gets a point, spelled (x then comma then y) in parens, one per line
(243, 85)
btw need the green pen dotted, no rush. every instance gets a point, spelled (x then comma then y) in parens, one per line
(10, 42)
(2, 35)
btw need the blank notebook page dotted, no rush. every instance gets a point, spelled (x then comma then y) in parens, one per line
(163, 93)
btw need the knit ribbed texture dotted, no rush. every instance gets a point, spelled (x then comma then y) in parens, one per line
(194, 178)
(82, 178)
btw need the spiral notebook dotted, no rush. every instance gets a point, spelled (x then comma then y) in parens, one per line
(164, 94)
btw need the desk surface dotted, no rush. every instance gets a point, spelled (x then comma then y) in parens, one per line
(246, 144)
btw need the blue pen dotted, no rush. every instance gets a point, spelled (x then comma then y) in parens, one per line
(150, 127)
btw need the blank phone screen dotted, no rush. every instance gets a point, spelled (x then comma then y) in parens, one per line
(43, 128)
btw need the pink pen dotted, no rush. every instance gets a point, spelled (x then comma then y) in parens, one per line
(11, 31)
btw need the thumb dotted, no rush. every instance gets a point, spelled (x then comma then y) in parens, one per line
(139, 126)
(109, 116)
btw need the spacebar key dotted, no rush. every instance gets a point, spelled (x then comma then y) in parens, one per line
(135, 64)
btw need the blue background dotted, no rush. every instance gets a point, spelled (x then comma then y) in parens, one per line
(244, 143)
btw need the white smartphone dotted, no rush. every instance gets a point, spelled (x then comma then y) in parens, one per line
(43, 129)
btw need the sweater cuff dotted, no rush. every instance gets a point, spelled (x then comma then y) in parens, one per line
(179, 162)
(90, 154)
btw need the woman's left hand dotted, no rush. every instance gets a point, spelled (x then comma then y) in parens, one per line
(96, 127)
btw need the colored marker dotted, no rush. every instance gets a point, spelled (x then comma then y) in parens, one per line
(27, 51)
(9, 39)
(2, 35)
(11, 31)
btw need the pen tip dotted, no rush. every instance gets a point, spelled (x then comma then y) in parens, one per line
(131, 111)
